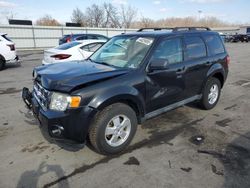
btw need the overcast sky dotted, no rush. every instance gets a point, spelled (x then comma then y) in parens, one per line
(235, 11)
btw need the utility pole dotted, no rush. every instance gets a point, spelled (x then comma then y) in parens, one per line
(199, 13)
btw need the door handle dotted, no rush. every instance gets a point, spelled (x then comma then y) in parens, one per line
(181, 70)
(208, 63)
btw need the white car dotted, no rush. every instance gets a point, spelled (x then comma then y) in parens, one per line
(77, 50)
(7, 51)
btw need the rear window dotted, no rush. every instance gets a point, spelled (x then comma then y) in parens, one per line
(5, 37)
(92, 47)
(195, 48)
(67, 46)
(214, 44)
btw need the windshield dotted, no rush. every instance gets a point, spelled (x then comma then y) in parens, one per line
(123, 51)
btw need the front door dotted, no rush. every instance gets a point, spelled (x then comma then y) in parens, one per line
(165, 87)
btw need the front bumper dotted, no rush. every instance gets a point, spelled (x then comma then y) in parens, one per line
(73, 124)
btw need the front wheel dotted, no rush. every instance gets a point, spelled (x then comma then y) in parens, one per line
(211, 94)
(113, 128)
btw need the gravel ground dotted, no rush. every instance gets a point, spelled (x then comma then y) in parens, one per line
(164, 153)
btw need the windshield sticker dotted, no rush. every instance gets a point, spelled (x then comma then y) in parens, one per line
(144, 41)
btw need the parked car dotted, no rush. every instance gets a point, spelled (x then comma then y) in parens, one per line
(77, 50)
(7, 51)
(76, 37)
(239, 38)
(149, 73)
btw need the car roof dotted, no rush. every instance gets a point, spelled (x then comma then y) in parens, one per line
(84, 42)
(82, 34)
(166, 33)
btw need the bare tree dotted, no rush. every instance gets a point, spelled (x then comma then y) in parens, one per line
(78, 17)
(95, 16)
(128, 15)
(47, 20)
(147, 22)
(112, 18)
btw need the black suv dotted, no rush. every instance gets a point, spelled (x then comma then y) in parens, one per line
(131, 78)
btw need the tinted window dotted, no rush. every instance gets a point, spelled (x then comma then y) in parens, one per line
(91, 47)
(84, 37)
(195, 48)
(248, 30)
(92, 37)
(214, 44)
(170, 49)
(67, 46)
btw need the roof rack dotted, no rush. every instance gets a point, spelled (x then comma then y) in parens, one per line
(155, 29)
(174, 29)
(191, 28)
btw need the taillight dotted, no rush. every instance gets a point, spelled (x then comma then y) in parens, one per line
(12, 47)
(68, 39)
(60, 56)
(227, 60)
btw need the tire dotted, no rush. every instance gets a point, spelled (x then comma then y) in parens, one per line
(2, 64)
(207, 102)
(124, 118)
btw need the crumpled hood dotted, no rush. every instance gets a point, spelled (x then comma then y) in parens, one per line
(65, 77)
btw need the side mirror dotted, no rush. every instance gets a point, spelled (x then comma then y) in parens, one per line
(158, 64)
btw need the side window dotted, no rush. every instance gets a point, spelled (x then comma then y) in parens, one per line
(92, 37)
(169, 49)
(195, 48)
(214, 44)
(82, 38)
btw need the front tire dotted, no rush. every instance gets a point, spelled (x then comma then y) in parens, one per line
(113, 129)
(211, 94)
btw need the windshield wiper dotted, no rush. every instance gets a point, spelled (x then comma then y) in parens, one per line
(103, 63)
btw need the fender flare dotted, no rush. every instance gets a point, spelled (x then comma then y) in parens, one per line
(126, 94)
(214, 69)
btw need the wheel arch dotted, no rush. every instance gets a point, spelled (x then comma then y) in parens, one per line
(131, 98)
(216, 71)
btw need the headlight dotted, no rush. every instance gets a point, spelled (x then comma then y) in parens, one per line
(60, 102)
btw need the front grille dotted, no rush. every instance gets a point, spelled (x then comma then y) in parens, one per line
(41, 95)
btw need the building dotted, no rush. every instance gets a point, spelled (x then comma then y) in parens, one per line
(244, 30)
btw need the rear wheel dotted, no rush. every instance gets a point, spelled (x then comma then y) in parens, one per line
(211, 93)
(113, 129)
(2, 64)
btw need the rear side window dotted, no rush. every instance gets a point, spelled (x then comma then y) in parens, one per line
(67, 46)
(169, 49)
(91, 47)
(195, 48)
(6, 38)
(214, 44)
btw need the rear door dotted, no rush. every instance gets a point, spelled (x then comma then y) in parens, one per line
(196, 64)
(165, 87)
